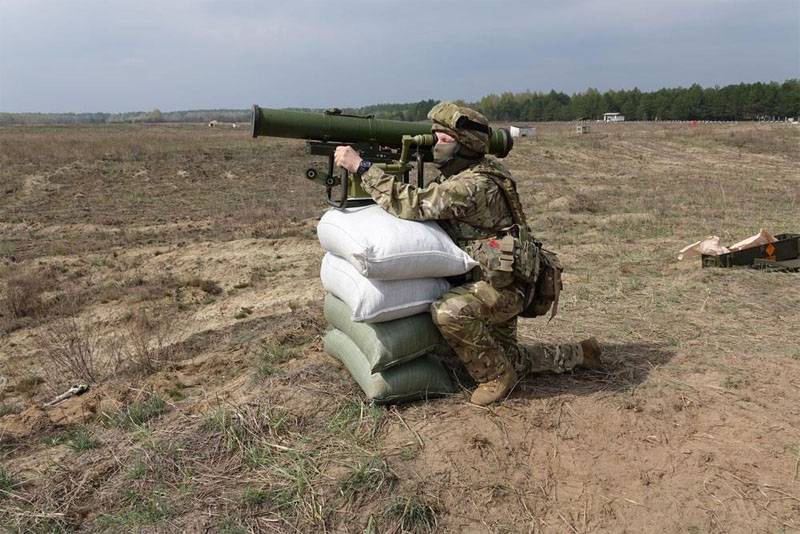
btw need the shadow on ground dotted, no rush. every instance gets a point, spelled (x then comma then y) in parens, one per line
(625, 365)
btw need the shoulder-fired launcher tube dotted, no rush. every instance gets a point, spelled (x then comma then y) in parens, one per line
(338, 128)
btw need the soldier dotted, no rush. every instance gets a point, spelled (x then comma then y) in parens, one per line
(476, 203)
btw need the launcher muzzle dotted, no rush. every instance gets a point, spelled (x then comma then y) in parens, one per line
(388, 143)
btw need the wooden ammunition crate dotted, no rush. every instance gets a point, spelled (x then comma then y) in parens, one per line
(787, 247)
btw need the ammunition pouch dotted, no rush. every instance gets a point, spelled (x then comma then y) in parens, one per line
(544, 293)
(511, 256)
(526, 254)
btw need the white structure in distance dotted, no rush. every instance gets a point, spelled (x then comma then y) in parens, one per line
(613, 117)
(517, 131)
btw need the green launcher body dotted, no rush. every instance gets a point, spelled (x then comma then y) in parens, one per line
(391, 144)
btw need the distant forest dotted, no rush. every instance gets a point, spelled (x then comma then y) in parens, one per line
(744, 101)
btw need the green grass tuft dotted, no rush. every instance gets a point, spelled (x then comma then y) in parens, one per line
(231, 526)
(412, 515)
(137, 413)
(253, 497)
(247, 433)
(733, 382)
(176, 394)
(409, 453)
(207, 286)
(367, 478)
(354, 415)
(141, 510)
(293, 482)
(6, 483)
(244, 313)
(138, 471)
(81, 439)
(270, 355)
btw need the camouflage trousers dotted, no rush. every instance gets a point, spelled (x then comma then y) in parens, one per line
(479, 323)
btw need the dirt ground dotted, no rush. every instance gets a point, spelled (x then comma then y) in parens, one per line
(174, 269)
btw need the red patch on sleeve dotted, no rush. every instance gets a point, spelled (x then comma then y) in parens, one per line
(494, 244)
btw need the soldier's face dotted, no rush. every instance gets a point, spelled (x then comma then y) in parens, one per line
(444, 150)
(442, 137)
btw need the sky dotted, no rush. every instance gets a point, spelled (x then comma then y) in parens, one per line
(122, 55)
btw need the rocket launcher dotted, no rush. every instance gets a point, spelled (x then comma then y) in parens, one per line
(392, 145)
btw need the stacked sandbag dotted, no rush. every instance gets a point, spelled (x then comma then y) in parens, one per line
(376, 301)
(381, 274)
(420, 378)
(388, 343)
(381, 246)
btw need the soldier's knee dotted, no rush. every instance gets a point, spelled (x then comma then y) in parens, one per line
(451, 313)
(441, 314)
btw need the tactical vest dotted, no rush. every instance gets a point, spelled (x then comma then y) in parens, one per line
(520, 254)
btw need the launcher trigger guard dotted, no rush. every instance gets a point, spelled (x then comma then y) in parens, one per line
(344, 181)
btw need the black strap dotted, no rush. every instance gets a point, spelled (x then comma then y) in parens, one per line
(509, 190)
(465, 123)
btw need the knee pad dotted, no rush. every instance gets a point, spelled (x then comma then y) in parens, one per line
(452, 312)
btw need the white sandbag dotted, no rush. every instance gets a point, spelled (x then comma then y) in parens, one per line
(375, 301)
(384, 247)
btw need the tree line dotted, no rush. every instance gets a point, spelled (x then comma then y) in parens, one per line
(153, 116)
(744, 101)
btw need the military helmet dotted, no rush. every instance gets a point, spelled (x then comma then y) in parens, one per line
(467, 126)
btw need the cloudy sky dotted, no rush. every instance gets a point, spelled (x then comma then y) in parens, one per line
(123, 55)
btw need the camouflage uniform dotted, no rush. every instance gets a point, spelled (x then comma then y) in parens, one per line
(479, 318)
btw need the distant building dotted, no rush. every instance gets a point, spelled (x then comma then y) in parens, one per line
(522, 131)
(613, 117)
(581, 125)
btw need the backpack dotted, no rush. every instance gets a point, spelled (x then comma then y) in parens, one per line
(547, 287)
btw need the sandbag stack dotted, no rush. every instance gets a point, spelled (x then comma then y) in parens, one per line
(381, 274)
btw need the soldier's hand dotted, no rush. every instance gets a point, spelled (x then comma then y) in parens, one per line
(347, 158)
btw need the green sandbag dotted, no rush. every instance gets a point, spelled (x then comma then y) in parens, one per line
(389, 343)
(418, 379)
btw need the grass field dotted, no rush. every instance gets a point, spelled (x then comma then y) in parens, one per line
(175, 270)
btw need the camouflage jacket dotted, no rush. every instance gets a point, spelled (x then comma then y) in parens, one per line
(469, 206)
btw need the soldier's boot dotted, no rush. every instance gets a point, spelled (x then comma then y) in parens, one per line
(496, 389)
(591, 354)
(467, 318)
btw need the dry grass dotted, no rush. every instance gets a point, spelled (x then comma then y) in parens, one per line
(176, 267)
(22, 301)
(149, 344)
(71, 349)
(23, 296)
